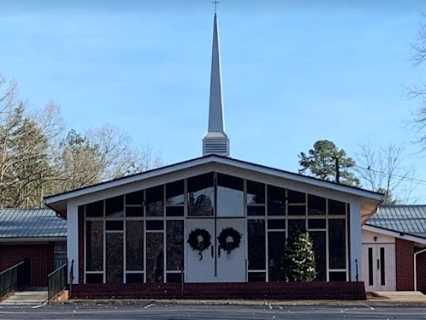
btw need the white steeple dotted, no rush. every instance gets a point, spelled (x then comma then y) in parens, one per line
(216, 141)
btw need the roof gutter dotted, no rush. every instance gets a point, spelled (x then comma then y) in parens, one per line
(415, 266)
(32, 239)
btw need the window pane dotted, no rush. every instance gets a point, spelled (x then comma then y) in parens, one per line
(276, 242)
(134, 211)
(337, 243)
(255, 192)
(94, 245)
(95, 209)
(276, 201)
(113, 225)
(256, 244)
(370, 266)
(114, 257)
(296, 197)
(276, 224)
(134, 245)
(296, 210)
(154, 225)
(175, 193)
(175, 211)
(382, 266)
(154, 202)
(230, 196)
(201, 195)
(154, 257)
(175, 245)
(319, 246)
(296, 226)
(316, 223)
(255, 210)
(336, 207)
(135, 198)
(316, 205)
(114, 207)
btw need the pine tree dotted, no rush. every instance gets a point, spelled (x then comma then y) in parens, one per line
(299, 258)
(329, 163)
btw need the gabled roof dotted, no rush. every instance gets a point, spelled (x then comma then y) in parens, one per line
(213, 158)
(31, 224)
(409, 219)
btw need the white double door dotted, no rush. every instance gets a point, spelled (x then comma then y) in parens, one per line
(379, 267)
(214, 264)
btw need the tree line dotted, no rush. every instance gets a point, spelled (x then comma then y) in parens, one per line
(39, 156)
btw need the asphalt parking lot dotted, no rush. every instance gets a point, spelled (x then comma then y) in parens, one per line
(207, 312)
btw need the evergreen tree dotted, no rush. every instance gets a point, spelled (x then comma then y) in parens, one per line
(327, 162)
(299, 258)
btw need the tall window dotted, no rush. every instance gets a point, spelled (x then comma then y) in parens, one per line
(94, 245)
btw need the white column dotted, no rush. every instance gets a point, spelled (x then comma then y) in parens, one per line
(355, 239)
(72, 239)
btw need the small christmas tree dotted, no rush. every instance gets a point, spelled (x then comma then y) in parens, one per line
(299, 258)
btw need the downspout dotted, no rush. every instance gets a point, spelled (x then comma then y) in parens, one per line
(415, 266)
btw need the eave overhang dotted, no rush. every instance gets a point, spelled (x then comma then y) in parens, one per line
(58, 202)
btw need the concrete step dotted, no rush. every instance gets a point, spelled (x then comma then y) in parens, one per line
(26, 298)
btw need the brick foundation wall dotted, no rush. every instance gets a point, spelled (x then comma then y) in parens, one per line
(40, 255)
(421, 272)
(404, 251)
(255, 290)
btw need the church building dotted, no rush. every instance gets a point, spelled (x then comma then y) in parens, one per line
(213, 226)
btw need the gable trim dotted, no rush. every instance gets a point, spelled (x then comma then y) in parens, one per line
(213, 159)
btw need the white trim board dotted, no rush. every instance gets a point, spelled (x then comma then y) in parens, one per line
(396, 234)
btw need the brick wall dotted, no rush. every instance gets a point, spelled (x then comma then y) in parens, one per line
(40, 255)
(404, 265)
(421, 272)
(251, 290)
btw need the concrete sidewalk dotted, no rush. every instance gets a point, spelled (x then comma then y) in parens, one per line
(398, 296)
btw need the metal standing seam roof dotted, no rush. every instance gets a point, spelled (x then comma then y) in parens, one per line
(410, 219)
(31, 223)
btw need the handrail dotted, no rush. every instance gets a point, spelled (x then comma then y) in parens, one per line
(57, 281)
(14, 266)
(56, 270)
(14, 277)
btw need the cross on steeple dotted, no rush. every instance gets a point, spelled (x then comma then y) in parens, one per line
(215, 2)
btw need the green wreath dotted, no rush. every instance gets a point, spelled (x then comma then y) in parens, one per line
(199, 240)
(229, 239)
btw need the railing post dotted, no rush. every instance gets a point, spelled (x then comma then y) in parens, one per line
(71, 276)
(356, 270)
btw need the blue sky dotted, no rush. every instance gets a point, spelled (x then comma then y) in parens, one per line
(293, 72)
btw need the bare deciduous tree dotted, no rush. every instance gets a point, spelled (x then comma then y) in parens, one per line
(419, 91)
(383, 170)
(38, 157)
